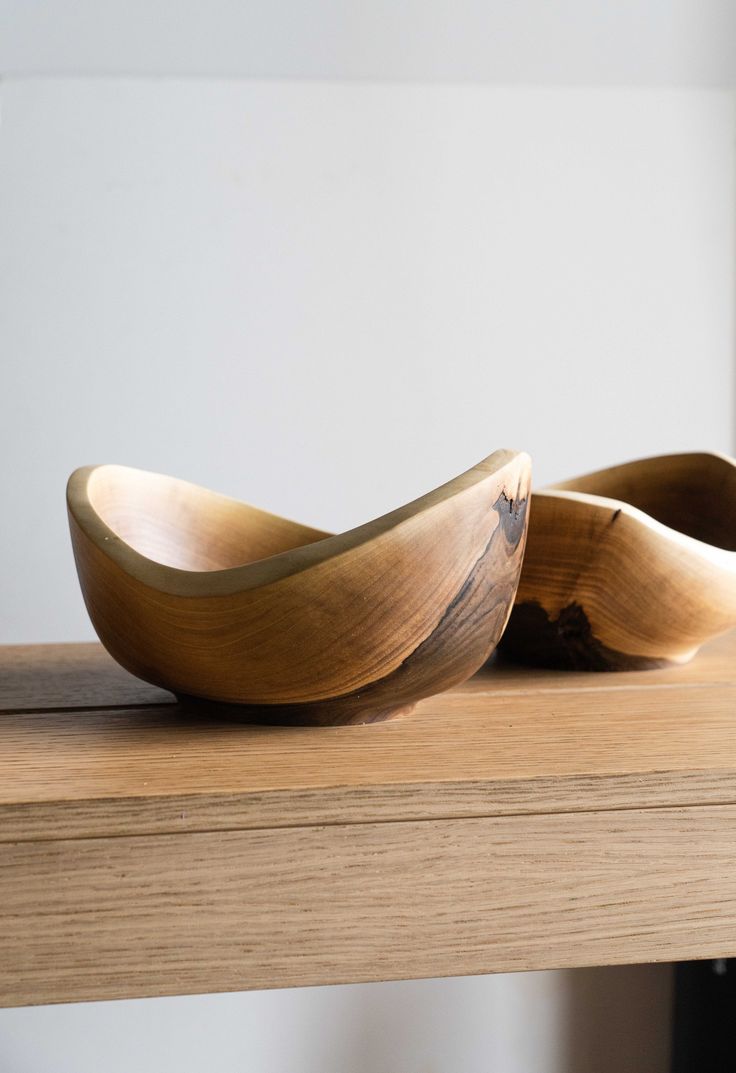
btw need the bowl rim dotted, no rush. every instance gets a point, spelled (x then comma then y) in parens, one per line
(231, 580)
(720, 557)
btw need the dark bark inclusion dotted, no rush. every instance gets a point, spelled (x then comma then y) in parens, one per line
(474, 617)
(566, 642)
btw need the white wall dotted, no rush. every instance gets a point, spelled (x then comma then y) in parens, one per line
(568, 42)
(583, 1021)
(327, 298)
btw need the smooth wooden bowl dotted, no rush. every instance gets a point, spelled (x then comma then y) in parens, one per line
(211, 598)
(629, 567)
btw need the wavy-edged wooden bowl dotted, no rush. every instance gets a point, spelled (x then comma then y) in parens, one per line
(630, 567)
(211, 598)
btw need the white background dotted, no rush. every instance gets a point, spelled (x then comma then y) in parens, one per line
(327, 297)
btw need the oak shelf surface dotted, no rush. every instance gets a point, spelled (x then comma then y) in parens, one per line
(527, 819)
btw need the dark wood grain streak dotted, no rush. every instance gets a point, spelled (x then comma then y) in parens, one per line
(459, 645)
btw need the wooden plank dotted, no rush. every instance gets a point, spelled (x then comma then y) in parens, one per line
(42, 677)
(189, 913)
(100, 773)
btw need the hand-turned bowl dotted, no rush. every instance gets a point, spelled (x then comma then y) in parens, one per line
(215, 599)
(629, 567)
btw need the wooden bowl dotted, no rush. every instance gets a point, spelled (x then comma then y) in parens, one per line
(629, 567)
(211, 598)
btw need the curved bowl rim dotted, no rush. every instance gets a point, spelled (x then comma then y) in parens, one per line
(231, 580)
(721, 557)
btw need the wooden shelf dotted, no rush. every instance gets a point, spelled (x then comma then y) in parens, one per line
(525, 820)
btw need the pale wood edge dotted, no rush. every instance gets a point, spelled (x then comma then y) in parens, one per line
(186, 914)
(140, 988)
(117, 817)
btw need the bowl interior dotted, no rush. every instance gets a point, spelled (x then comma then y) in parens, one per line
(693, 493)
(182, 525)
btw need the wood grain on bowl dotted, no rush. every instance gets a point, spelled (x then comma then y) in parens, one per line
(274, 621)
(630, 567)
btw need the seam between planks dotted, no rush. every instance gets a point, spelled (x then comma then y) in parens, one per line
(453, 818)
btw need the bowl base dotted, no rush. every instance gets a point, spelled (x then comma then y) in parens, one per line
(328, 713)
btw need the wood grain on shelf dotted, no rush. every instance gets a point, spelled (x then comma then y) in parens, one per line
(189, 913)
(41, 677)
(505, 742)
(90, 773)
(523, 820)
